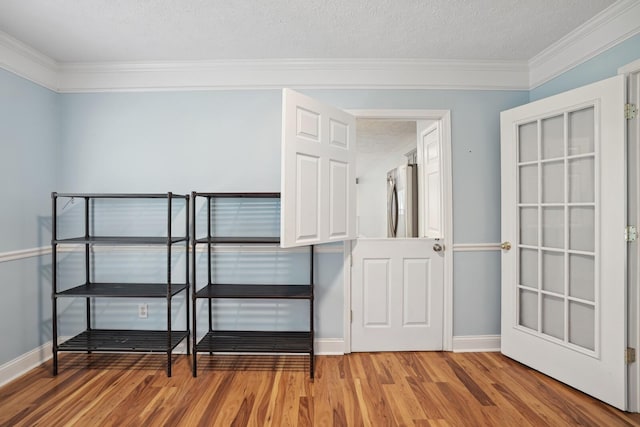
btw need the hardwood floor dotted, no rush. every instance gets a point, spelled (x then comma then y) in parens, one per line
(360, 389)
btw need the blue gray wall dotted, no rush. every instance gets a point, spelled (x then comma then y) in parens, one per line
(29, 134)
(230, 141)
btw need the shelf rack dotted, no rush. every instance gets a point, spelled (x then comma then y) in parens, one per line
(119, 340)
(245, 341)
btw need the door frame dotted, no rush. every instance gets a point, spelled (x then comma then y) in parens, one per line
(444, 119)
(633, 218)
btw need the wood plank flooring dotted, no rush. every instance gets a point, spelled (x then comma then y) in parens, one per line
(360, 389)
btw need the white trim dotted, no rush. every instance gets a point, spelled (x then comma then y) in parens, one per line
(317, 249)
(476, 247)
(296, 74)
(444, 116)
(180, 348)
(327, 249)
(630, 68)
(346, 305)
(46, 250)
(447, 229)
(329, 346)
(36, 357)
(24, 253)
(22, 364)
(261, 74)
(27, 62)
(476, 343)
(393, 114)
(613, 25)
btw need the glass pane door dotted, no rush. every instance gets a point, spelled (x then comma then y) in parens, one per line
(557, 245)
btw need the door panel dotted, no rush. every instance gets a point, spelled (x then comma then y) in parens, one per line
(397, 295)
(338, 216)
(376, 273)
(563, 207)
(308, 197)
(429, 147)
(416, 290)
(318, 172)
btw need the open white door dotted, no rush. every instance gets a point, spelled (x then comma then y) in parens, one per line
(429, 147)
(563, 210)
(318, 172)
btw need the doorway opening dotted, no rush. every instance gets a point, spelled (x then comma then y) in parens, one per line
(398, 179)
(389, 140)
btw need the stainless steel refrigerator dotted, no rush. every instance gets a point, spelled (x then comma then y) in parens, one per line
(402, 201)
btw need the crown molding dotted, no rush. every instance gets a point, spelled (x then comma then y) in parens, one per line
(295, 73)
(27, 62)
(615, 24)
(612, 26)
(260, 74)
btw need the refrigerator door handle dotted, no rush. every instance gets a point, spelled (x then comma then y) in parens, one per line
(391, 194)
(393, 210)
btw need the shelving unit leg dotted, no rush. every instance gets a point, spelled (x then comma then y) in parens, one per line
(311, 315)
(194, 364)
(87, 260)
(54, 280)
(186, 276)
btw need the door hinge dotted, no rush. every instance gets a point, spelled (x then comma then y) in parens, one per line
(630, 355)
(630, 111)
(351, 316)
(630, 233)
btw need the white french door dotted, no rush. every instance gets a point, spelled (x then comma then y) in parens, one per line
(317, 172)
(564, 214)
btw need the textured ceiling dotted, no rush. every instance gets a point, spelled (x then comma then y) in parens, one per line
(382, 136)
(167, 30)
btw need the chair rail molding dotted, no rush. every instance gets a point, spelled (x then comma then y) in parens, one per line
(24, 253)
(476, 247)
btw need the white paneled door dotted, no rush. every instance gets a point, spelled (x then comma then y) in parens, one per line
(564, 252)
(397, 295)
(429, 147)
(317, 172)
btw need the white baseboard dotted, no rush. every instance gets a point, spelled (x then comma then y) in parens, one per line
(23, 364)
(476, 343)
(34, 358)
(329, 346)
(323, 347)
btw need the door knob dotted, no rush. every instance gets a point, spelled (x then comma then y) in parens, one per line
(437, 247)
(506, 246)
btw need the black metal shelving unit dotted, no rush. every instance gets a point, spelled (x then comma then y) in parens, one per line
(119, 340)
(245, 341)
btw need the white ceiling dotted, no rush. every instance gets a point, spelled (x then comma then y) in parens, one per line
(193, 30)
(383, 136)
